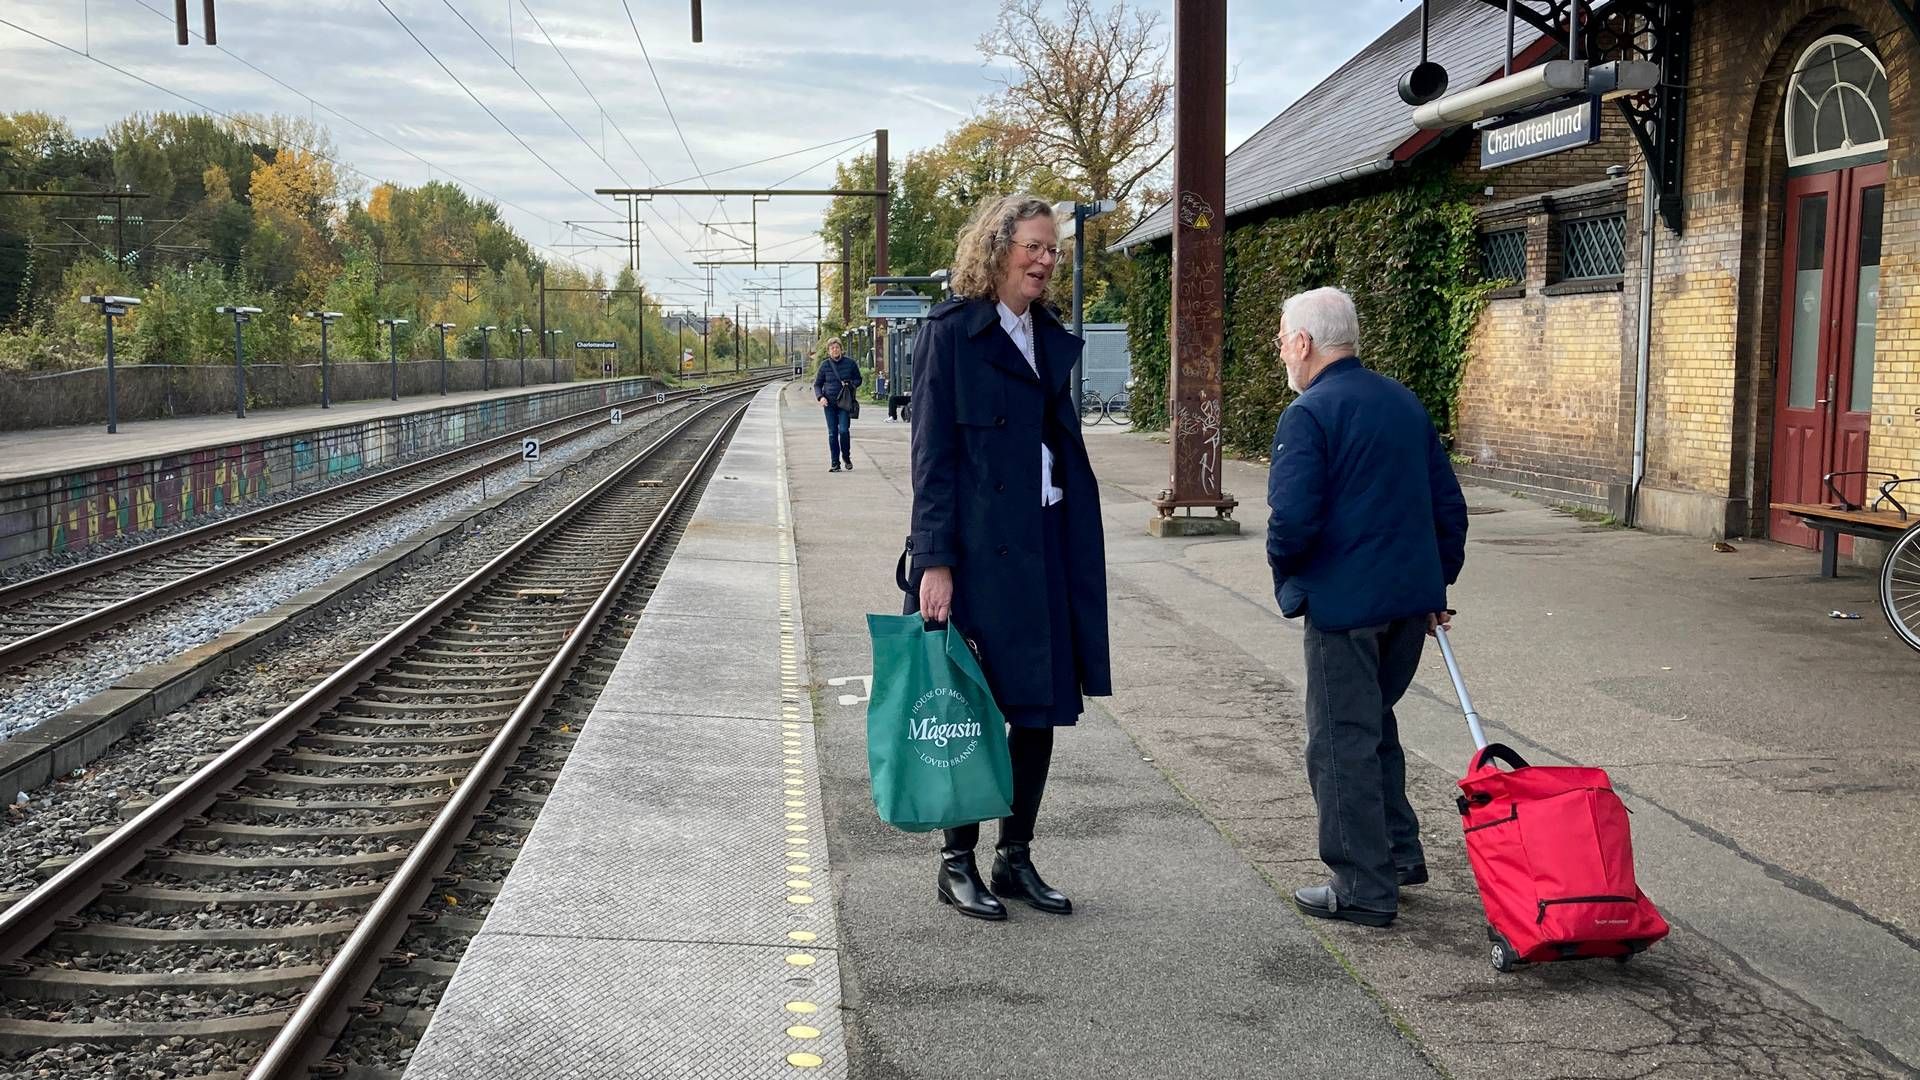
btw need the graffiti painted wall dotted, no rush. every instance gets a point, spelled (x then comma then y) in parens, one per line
(56, 512)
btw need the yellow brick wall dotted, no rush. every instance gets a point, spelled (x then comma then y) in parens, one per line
(1541, 400)
(1548, 393)
(1716, 286)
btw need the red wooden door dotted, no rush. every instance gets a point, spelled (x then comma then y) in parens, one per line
(1828, 310)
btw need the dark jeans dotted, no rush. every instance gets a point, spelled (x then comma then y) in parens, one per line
(839, 432)
(1355, 765)
(1031, 750)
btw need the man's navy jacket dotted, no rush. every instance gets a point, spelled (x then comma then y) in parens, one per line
(1368, 522)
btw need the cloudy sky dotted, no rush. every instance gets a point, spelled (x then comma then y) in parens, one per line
(804, 80)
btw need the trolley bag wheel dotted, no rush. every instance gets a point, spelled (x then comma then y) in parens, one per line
(1900, 587)
(1501, 954)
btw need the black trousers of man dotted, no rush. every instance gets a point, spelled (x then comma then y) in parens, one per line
(1355, 764)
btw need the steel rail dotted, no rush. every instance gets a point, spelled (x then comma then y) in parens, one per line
(25, 650)
(322, 1014)
(30, 920)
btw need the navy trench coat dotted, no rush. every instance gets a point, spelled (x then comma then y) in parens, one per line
(977, 413)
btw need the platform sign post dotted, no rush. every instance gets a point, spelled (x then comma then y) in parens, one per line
(241, 316)
(530, 453)
(393, 354)
(1199, 239)
(614, 418)
(326, 370)
(111, 307)
(443, 327)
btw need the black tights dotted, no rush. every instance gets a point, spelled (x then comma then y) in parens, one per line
(1031, 749)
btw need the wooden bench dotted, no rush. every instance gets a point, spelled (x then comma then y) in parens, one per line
(1831, 521)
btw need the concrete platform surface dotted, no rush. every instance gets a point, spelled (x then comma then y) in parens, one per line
(669, 915)
(1761, 744)
(40, 450)
(1180, 960)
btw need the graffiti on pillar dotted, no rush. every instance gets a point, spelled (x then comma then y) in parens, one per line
(1194, 212)
(1202, 426)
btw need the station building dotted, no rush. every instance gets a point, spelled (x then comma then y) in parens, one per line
(1783, 335)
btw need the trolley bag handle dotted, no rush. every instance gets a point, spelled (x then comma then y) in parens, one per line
(1460, 689)
(1497, 752)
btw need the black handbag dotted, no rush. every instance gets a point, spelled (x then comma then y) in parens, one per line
(849, 401)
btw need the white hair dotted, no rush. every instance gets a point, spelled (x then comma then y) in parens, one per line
(1325, 315)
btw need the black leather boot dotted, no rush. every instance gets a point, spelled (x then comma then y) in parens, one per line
(1015, 878)
(960, 886)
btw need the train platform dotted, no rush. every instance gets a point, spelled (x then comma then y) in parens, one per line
(66, 489)
(38, 451)
(670, 914)
(647, 927)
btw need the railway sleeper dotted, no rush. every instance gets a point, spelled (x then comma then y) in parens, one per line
(403, 710)
(28, 1036)
(349, 742)
(104, 937)
(402, 724)
(162, 900)
(65, 984)
(323, 763)
(486, 638)
(210, 867)
(244, 807)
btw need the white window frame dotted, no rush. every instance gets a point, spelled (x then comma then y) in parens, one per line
(1849, 149)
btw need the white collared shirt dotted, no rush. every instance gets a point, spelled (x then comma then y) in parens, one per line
(1020, 329)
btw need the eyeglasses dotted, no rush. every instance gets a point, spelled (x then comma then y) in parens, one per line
(1034, 248)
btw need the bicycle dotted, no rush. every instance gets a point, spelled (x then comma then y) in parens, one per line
(1117, 409)
(1092, 408)
(1900, 586)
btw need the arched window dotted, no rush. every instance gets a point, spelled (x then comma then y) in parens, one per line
(1836, 103)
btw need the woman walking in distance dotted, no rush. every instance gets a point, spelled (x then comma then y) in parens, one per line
(834, 385)
(1006, 538)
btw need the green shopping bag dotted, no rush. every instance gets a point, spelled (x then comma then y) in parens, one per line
(936, 742)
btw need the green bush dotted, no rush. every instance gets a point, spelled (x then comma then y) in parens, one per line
(1408, 253)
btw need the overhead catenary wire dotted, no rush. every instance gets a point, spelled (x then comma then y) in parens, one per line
(504, 126)
(250, 126)
(584, 141)
(313, 102)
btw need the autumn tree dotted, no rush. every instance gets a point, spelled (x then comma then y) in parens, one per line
(1089, 94)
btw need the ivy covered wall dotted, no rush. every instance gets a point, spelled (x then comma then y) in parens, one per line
(1407, 251)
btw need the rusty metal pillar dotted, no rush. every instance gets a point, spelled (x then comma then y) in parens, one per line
(1199, 241)
(882, 204)
(846, 277)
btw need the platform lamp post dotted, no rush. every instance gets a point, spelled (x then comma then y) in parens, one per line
(241, 316)
(1080, 213)
(393, 355)
(553, 352)
(520, 350)
(110, 307)
(443, 327)
(326, 370)
(486, 358)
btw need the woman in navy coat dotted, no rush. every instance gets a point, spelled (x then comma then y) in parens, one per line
(1006, 538)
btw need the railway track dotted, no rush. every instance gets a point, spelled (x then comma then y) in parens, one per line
(43, 614)
(238, 920)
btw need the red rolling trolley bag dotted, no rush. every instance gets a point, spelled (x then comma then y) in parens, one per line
(1552, 854)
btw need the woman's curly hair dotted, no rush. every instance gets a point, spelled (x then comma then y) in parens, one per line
(980, 255)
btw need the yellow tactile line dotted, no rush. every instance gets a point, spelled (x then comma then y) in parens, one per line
(795, 719)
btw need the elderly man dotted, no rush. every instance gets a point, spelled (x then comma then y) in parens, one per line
(1368, 529)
